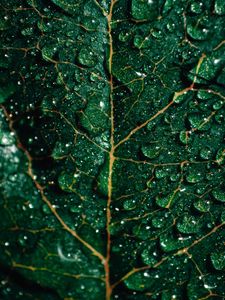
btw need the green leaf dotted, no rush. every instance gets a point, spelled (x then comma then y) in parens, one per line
(112, 149)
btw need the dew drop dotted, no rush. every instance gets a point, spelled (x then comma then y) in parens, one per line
(206, 153)
(220, 156)
(129, 204)
(87, 57)
(218, 260)
(218, 104)
(151, 151)
(220, 7)
(124, 36)
(184, 137)
(202, 205)
(219, 195)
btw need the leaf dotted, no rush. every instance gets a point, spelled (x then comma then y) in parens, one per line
(112, 149)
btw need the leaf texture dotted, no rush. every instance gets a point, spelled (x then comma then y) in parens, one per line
(112, 149)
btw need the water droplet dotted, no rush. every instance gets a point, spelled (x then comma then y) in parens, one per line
(223, 217)
(169, 242)
(220, 156)
(206, 153)
(210, 281)
(196, 8)
(156, 33)
(202, 205)
(219, 117)
(7, 138)
(198, 122)
(129, 204)
(27, 31)
(204, 95)
(188, 224)
(161, 172)
(140, 42)
(90, 23)
(46, 210)
(194, 177)
(75, 208)
(171, 26)
(144, 9)
(167, 200)
(208, 286)
(219, 195)
(124, 36)
(174, 177)
(162, 220)
(23, 240)
(220, 7)
(218, 104)
(151, 151)
(185, 137)
(146, 274)
(48, 52)
(67, 181)
(87, 57)
(218, 260)
(197, 32)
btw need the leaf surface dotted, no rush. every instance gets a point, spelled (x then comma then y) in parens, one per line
(112, 149)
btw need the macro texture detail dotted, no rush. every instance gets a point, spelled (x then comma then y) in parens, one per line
(112, 149)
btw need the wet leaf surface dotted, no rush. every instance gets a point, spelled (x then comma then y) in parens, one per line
(112, 149)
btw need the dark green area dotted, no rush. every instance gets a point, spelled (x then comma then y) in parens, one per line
(168, 187)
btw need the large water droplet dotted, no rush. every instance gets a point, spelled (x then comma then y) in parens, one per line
(194, 177)
(140, 42)
(210, 281)
(220, 7)
(185, 137)
(166, 201)
(204, 95)
(90, 23)
(171, 26)
(87, 57)
(197, 32)
(67, 181)
(129, 204)
(206, 153)
(161, 172)
(151, 151)
(156, 33)
(162, 220)
(219, 117)
(149, 256)
(223, 217)
(7, 138)
(202, 205)
(219, 195)
(218, 104)
(218, 260)
(220, 156)
(144, 9)
(46, 210)
(188, 224)
(124, 36)
(168, 242)
(198, 122)
(196, 7)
